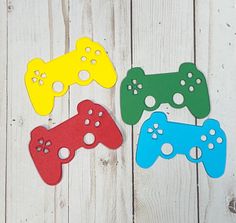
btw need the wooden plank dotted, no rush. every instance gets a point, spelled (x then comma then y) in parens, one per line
(162, 40)
(215, 54)
(100, 181)
(59, 44)
(32, 32)
(3, 105)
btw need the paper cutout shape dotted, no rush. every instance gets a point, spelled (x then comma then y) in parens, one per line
(188, 83)
(86, 63)
(157, 132)
(46, 145)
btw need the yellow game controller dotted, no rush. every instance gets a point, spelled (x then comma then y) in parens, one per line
(88, 62)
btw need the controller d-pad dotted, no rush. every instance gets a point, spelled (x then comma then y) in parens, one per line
(38, 77)
(134, 86)
(155, 131)
(43, 145)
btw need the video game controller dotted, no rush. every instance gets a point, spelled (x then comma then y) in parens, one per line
(46, 145)
(88, 62)
(157, 133)
(187, 87)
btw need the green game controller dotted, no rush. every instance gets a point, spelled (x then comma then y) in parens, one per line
(187, 87)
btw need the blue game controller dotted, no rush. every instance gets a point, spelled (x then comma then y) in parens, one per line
(157, 132)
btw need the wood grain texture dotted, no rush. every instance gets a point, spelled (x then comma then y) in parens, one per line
(100, 185)
(29, 199)
(3, 105)
(162, 40)
(100, 180)
(58, 24)
(215, 54)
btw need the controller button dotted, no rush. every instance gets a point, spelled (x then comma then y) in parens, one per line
(212, 132)
(135, 91)
(93, 61)
(182, 82)
(203, 138)
(129, 87)
(134, 81)
(160, 131)
(38, 148)
(87, 49)
(57, 86)
(190, 75)
(43, 75)
(154, 136)
(89, 138)
(210, 145)
(90, 111)
(83, 58)
(150, 130)
(140, 86)
(64, 153)
(167, 149)
(86, 122)
(48, 143)
(34, 79)
(46, 151)
(178, 98)
(97, 52)
(198, 81)
(40, 82)
(36, 72)
(40, 141)
(100, 114)
(83, 75)
(219, 140)
(195, 153)
(97, 124)
(191, 88)
(155, 125)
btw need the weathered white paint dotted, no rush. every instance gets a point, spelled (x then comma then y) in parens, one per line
(162, 40)
(3, 104)
(97, 186)
(216, 53)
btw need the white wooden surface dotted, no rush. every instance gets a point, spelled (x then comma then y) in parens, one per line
(99, 185)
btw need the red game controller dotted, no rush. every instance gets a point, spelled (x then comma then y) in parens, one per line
(46, 145)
